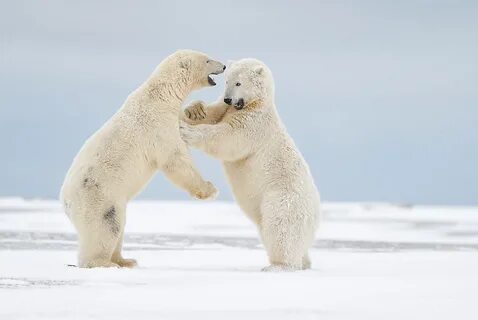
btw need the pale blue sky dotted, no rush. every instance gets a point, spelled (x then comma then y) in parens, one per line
(380, 96)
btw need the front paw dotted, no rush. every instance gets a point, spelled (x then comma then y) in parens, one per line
(207, 192)
(188, 133)
(196, 111)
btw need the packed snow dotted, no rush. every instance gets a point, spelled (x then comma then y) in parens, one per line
(202, 260)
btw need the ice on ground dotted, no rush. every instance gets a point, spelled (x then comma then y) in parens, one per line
(202, 260)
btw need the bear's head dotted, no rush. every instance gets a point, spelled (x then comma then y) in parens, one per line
(192, 68)
(248, 82)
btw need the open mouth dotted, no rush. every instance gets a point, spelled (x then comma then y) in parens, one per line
(211, 80)
(240, 104)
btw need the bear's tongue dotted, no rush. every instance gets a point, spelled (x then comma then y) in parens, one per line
(210, 80)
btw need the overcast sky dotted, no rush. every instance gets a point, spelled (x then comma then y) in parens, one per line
(381, 97)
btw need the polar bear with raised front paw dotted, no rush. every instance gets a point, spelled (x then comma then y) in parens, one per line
(120, 158)
(269, 177)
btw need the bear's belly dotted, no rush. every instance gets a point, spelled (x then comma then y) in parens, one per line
(94, 173)
(246, 188)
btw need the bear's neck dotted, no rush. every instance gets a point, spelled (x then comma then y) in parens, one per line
(166, 94)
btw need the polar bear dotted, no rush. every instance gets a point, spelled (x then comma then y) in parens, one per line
(269, 178)
(120, 158)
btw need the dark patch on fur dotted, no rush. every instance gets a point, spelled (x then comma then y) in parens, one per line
(111, 218)
(88, 183)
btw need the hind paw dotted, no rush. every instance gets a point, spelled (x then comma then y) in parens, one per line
(127, 263)
(280, 268)
(98, 264)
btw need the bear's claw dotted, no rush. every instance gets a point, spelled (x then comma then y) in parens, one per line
(207, 192)
(195, 111)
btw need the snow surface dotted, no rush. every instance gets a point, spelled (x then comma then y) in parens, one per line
(202, 260)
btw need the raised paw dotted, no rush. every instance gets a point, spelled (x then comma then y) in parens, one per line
(207, 192)
(195, 111)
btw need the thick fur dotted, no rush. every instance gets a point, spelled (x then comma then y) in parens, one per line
(120, 158)
(268, 176)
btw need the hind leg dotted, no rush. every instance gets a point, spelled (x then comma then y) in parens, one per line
(285, 252)
(118, 258)
(99, 233)
(286, 235)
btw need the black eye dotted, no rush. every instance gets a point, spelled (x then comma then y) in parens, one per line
(207, 61)
(238, 84)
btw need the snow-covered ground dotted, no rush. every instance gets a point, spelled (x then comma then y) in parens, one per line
(202, 260)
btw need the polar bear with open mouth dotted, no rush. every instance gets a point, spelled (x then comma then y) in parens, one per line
(121, 157)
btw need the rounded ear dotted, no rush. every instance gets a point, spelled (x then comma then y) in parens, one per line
(185, 63)
(259, 70)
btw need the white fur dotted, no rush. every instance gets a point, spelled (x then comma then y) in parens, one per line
(120, 158)
(269, 177)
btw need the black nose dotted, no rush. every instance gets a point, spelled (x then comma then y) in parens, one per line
(224, 68)
(228, 101)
